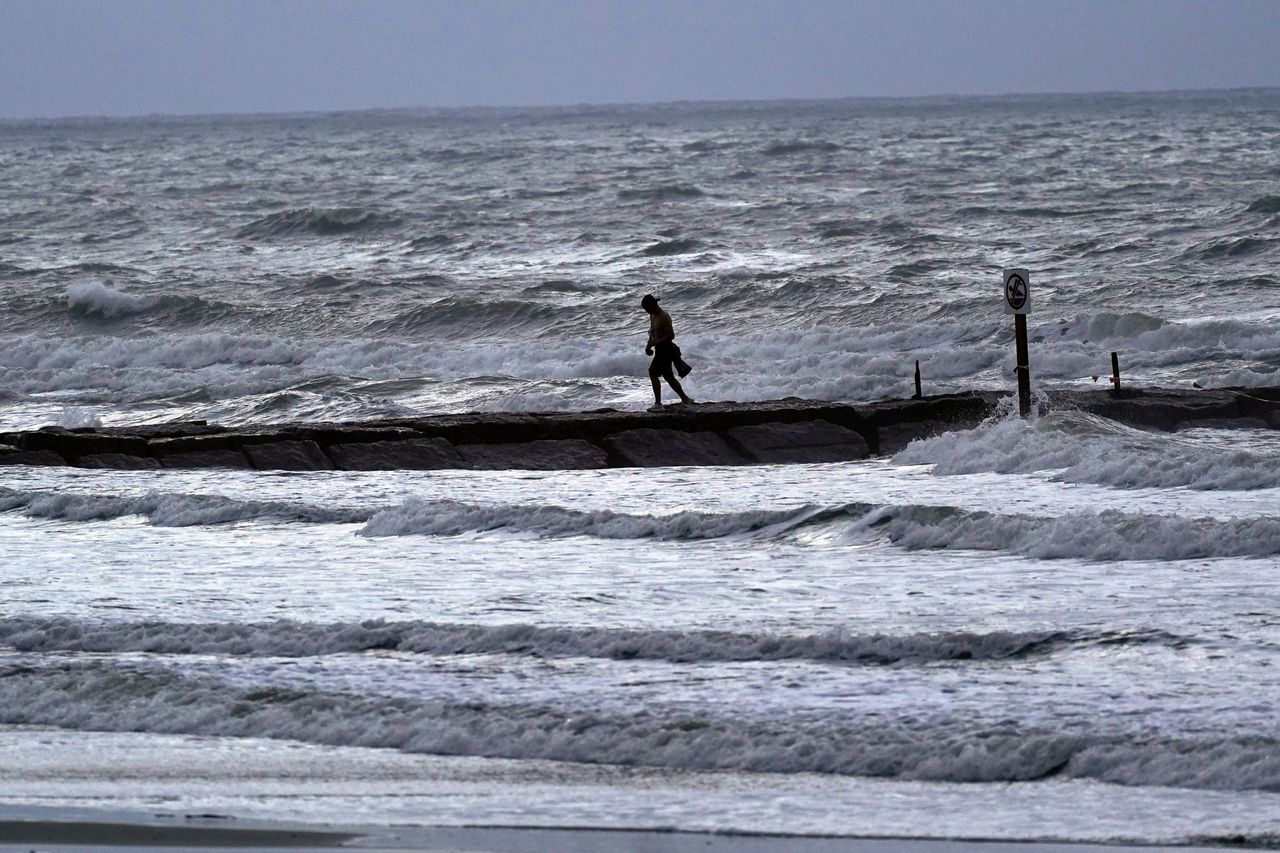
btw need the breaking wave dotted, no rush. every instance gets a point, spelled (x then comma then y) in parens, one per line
(1108, 535)
(293, 639)
(1265, 204)
(1087, 449)
(93, 298)
(103, 697)
(496, 317)
(414, 516)
(99, 301)
(466, 341)
(1231, 248)
(448, 518)
(672, 247)
(169, 510)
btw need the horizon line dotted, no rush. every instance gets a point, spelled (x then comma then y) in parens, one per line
(583, 105)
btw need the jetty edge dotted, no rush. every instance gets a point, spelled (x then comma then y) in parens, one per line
(791, 430)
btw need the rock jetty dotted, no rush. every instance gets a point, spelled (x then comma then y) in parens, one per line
(777, 431)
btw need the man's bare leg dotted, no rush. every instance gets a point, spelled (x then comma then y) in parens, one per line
(657, 390)
(675, 386)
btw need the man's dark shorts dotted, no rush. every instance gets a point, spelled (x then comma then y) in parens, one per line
(664, 356)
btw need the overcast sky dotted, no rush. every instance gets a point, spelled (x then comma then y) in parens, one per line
(93, 57)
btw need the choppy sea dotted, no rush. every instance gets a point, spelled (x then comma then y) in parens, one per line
(1059, 628)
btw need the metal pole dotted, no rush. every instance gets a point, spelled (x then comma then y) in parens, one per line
(1115, 374)
(919, 395)
(1024, 364)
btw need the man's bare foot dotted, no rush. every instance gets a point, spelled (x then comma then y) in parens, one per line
(656, 407)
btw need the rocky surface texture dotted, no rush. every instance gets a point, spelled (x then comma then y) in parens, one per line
(777, 431)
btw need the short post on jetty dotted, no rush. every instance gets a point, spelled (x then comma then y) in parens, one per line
(1017, 301)
(1115, 374)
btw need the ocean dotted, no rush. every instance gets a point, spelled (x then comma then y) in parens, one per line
(1058, 628)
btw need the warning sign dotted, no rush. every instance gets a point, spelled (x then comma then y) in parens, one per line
(1017, 292)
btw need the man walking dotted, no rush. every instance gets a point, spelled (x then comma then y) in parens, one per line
(666, 355)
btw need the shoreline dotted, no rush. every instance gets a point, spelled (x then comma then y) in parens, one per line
(386, 799)
(136, 832)
(150, 835)
(790, 430)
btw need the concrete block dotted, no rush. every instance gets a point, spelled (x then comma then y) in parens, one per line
(10, 455)
(567, 455)
(119, 461)
(417, 454)
(164, 447)
(1164, 409)
(288, 456)
(895, 437)
(74, 443)
(653, 448)
(206, 459)
(806, 441)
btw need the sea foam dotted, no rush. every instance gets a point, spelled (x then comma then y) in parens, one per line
(1082, 448)
(489, 353)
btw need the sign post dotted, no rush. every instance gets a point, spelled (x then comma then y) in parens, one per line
(1017, 301)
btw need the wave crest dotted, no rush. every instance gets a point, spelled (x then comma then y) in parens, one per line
(1088, 449)
(323, 222)
(663, 248)
(1265, 204)
(1108, 535)
(800, 146)
(449, 518)
(292, 639)
(96, 299)
(496, 317)
(662, 192)
(105, 697)
(1103, 536)
(169, 510)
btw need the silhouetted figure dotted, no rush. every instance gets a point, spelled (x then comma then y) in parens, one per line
(666, 355)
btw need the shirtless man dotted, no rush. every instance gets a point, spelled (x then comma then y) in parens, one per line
(662, 346)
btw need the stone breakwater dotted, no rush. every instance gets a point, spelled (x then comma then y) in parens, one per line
(777, 431)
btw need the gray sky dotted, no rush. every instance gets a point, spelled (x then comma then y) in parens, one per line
(93, 57)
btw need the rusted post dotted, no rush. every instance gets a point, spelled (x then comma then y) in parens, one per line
(1024, 364)
(1115, 374)
(919, 394)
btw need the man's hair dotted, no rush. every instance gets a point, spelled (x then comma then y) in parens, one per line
(648, 300)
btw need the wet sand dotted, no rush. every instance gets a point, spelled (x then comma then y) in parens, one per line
(79, 835)
(19, 834)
